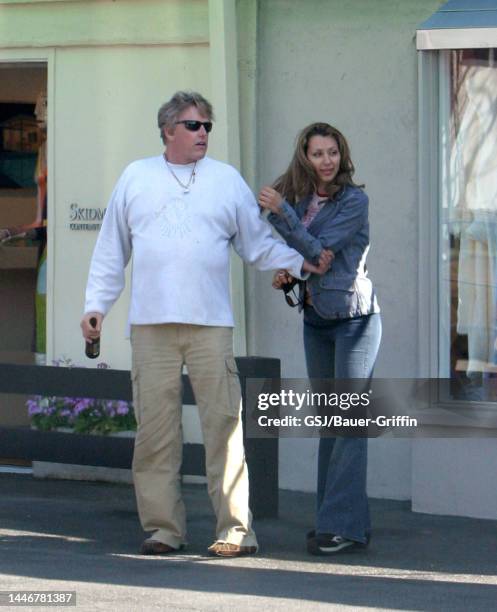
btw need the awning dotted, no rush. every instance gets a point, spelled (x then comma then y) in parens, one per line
(460, 24)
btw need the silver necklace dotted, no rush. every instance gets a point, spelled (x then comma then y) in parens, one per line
(191, 181)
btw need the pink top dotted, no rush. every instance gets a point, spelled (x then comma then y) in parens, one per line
(315, 205)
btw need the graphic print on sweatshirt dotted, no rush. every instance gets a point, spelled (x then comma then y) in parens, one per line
(173, 218)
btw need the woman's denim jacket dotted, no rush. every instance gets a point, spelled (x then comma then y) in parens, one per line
(342, 225)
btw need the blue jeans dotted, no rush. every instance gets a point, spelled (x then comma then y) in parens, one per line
(342, 348)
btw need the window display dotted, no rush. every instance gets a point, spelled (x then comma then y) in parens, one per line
(469, 221)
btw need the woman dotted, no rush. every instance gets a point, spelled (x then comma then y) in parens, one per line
(315, 205)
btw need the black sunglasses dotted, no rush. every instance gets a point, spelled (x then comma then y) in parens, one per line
(194, 126)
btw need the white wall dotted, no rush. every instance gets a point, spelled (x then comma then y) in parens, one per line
(353, 65)
(455, 477)
(110, 66)
(106, 102)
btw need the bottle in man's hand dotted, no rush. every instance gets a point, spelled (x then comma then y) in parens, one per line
(92, 348)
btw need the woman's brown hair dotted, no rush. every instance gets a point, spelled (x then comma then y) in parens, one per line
(301, 180)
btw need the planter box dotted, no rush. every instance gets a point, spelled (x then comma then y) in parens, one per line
(68, 471)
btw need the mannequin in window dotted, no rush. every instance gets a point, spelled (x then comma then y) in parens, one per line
(473, 204)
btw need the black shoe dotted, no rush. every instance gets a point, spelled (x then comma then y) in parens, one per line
(329, 544)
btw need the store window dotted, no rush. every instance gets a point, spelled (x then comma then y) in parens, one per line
(23, 227)
(23, 208)
(468, 246)
(458, 191)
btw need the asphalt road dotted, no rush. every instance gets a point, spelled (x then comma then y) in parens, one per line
(84, 537)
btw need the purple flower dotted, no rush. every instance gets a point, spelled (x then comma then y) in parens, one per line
(82, 404)
(88, 414)
(33, 407)
(109, 408)
(122, 408)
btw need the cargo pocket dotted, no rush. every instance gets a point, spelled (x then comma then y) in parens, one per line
(234, 393)
(135, 381)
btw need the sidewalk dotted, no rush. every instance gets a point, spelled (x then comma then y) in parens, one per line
(84, 537)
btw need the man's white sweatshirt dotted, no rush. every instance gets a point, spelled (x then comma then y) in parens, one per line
(180, 243)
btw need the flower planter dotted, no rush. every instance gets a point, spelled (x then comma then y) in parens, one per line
(68, 471)
(85, 416)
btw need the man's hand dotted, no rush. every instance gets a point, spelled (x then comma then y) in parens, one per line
(325, 258)
(282, 278)
(90, 332)
(270, 199)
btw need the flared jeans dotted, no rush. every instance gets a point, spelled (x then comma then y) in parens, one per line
(342, 348)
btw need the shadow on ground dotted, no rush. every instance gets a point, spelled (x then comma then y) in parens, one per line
(64, 532)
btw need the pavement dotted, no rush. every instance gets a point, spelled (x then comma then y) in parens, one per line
(64, 535)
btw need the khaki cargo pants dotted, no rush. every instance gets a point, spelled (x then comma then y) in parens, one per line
(158, 354)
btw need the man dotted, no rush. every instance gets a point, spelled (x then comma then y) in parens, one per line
(179, 213)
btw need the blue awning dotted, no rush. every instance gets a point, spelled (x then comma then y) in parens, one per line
(460, 24)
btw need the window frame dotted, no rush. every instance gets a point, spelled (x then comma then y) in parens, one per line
(434, 346)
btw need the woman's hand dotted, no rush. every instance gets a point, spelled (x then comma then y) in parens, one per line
(282, 278)
(325, 258)
(270, 199)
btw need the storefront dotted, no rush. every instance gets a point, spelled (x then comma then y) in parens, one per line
(22, 210)
(418, 114)
(103, 69)
(457, 47)
(357, 66)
